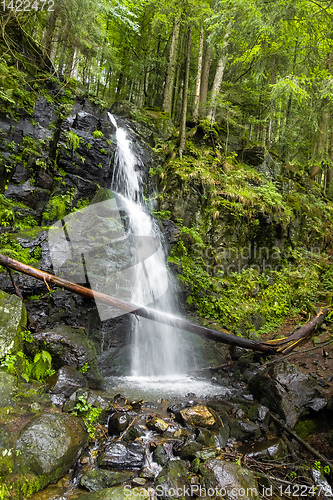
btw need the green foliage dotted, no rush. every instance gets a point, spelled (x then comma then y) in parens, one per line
(39, 368)
(234, 298)
(11, 247)
(98, 134)
(89, 414)
(58, 206)
(73, 140)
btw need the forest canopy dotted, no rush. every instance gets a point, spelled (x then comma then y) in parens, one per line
(262, 68)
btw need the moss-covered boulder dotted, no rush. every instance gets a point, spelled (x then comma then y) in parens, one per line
(172, 478)
(71, 346)
(98, 479)
(13, 318)
(7, 388)
(229, 480)
(49, 445)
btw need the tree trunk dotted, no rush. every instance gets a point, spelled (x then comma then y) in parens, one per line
(218, 76)
(182, 132)
(170, 76)
(205, 78)
(198, 79)
(48, 38)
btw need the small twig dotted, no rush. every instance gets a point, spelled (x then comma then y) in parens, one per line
(16, 288)
(130, 425)
(296, 352)
(305, 445)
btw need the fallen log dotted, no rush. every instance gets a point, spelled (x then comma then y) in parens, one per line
(287, 344)
(219, 336)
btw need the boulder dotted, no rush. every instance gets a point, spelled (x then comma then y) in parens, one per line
(94, 480)
(13, 318)
(49, 445)
(7, 388)
(229, 480)
(173, 477)
(66, 381)
(285, 390)
(89, 396)
(198, 416)
(71, 346)
(118, 422)
(122, 455)
(157, 424)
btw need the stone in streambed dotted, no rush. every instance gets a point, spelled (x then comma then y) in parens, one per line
(126, 456)
(49, 445)
(198, 416)
(118, 422)
(66, 381)
(229, 479)
(94, 480)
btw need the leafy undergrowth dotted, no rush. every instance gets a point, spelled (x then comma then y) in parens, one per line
(250, 298)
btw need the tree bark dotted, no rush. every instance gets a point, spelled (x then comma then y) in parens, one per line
(170, 76)
(182, 132)
(205, 78)
(198, 79)
(219, 76)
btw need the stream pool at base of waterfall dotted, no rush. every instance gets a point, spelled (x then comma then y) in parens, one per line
(153, 388)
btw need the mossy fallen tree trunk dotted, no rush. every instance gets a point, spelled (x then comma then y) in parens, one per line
(146, 312)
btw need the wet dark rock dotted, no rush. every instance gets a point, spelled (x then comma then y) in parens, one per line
(258, 412)
(229, 478)
(136, 430)
(244, 429)
(71, 346)
(188, 451)
(284, 389)
(87, 395)
(50, 445)
(94, 480)
(120, 455)
(272, 448)
(118, 422)
(160, 455)
(222, 437)
(21, 174)
(8, 387)
(204, 436)
(172, 476)
(28, 194)
(65, 381)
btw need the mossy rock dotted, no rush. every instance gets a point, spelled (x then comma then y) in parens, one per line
(13, 317)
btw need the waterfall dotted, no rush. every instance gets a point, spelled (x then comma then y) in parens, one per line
(158, 350)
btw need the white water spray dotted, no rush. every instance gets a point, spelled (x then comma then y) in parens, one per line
(158, 349)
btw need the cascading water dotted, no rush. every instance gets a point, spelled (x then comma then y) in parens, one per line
(158, 350)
